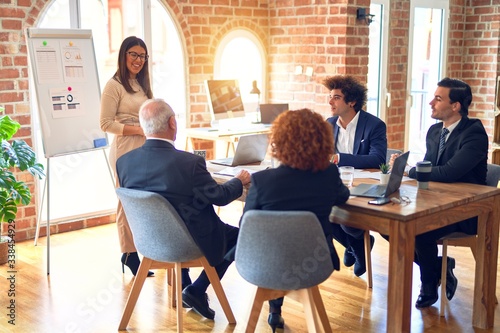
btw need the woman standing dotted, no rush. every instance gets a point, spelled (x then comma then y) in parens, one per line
(121, 98)
(305, 180)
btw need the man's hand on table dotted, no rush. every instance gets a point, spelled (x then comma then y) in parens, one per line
(244, 176)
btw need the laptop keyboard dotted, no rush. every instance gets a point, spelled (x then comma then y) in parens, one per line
(376, 190)
(223, 161)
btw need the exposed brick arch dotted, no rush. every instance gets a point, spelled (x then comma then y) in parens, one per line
(181, 22)
(201, 69)
(235, 25)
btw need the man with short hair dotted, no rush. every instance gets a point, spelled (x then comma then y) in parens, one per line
(361, 142)
(182, 178)
(457, 147)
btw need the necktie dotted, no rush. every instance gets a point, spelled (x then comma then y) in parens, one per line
(442, 140)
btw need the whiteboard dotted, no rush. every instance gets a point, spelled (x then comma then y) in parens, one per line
(64, 71)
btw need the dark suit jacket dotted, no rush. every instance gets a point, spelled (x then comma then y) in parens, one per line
(463, 159)
(465, 153)
(182, 178)
(285, 188)
(370, 142)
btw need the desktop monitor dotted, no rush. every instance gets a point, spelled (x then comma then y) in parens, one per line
(224, 99)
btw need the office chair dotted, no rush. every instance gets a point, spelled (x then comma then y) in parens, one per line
(162, 237)
(270, 262)
(462, 239)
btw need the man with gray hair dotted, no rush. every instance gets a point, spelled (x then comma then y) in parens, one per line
(182, 178)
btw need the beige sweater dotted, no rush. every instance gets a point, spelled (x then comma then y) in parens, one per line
(118, 107)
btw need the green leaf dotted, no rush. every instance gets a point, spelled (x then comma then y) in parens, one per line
(20, 155)
(7, 180)
(20, 193)
(384, 168)
(8, 207)
(8, 127)
(24, 155)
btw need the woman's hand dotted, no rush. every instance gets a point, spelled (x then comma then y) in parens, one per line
(133, 130)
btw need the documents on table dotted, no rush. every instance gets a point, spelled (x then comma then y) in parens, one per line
(233, 171)
(359, 173)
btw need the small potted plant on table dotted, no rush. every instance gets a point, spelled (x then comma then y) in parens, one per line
(384, 173)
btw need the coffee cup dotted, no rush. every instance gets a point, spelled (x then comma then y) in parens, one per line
(423, 169)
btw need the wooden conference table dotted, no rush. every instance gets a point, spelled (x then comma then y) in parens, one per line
(442, 204)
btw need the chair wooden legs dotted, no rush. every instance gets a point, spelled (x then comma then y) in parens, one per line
(178, 295)
(444, 268)
(465, 241)
(174, 279)
(314, 309)
(172, 286)
(142, 273)
(368, 258)
(320, 308)
(260, 297)
(221, 295)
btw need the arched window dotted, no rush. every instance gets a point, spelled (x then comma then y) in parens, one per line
(86, 175)
(241, 56)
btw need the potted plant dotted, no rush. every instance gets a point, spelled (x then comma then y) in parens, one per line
(13, 193)
(384, 173)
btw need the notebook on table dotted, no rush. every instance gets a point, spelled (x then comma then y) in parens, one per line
(250, 149)
(383, 191)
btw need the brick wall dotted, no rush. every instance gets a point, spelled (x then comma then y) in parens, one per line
(321, 34)
(14, 93)
(397, 72)
(480, 60)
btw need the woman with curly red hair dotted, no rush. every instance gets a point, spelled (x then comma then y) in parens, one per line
(305, 180)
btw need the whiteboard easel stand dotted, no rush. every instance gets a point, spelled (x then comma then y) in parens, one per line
(46, 189)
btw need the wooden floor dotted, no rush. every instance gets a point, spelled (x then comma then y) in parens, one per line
(86, 292)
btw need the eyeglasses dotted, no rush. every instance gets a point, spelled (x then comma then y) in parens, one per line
(135, 55)
(403, 200)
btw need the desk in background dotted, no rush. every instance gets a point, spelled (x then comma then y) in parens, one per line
(442, 204)
(210, 134)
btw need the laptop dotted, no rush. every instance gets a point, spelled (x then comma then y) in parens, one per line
(250, 149)
(269, 112)
(383, 191)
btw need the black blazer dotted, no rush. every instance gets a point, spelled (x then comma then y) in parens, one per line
(370, 142)
(182, 178)
(286, 188)
(465, 155)
(464, 158)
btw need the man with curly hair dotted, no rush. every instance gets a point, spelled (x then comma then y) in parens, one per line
(361, 142)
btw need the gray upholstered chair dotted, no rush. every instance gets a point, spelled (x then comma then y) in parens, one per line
(462, 239)
(162, 237)
(493, 175)
(271, 246)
